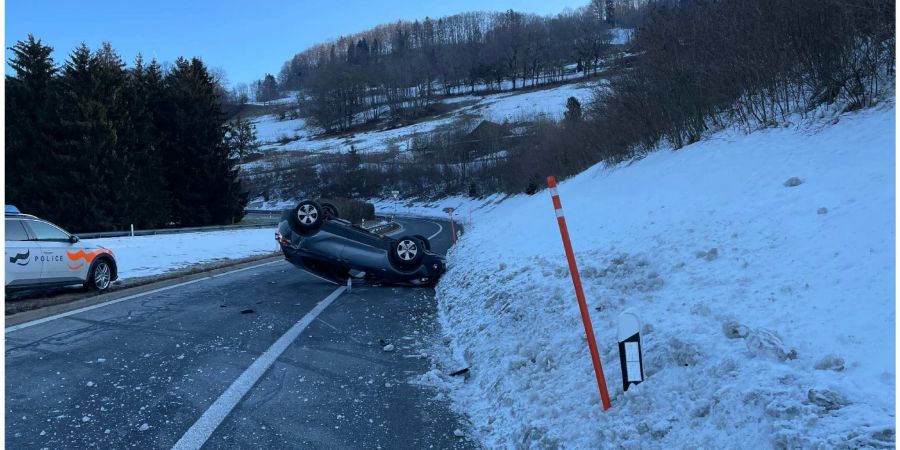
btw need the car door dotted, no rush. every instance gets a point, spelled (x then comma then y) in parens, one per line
(23, 262)
(55, 248)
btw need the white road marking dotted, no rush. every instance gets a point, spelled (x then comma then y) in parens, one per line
(440, 228)
(402, 228)
(204, 427)
(130, 297)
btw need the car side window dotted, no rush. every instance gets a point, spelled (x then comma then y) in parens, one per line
(43, 231)
(15, 230)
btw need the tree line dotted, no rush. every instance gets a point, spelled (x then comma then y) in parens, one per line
(704, 65)
(397, 71)
(94, 145)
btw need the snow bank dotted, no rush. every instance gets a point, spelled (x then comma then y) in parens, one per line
(768, 308)
(465, 208)
(141, 256)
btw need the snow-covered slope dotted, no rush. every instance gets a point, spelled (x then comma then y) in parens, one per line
(296, 136)
(768, 309)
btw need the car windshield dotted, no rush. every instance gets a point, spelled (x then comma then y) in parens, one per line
(15, 231)
(44, 231)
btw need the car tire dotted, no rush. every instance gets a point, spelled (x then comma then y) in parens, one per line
(101, 275)
(331, 211)
(307, 216)
(424, 241)
(407, 252)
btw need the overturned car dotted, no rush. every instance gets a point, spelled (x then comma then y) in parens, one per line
(313, 237)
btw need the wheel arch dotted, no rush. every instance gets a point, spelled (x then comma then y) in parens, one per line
(114, 268)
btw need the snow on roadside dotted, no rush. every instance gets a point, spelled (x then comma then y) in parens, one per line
(465, 208)
(768, 309)
(142, 256)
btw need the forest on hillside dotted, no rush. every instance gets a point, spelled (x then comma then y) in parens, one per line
(698, 66)
(398, 71)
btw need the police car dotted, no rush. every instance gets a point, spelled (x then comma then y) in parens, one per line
(40, 254)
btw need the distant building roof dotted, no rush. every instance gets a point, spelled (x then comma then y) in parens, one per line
(487, 129)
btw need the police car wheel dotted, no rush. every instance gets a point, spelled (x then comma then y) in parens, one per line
(100, 276)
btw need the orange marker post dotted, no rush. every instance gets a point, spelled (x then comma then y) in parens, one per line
(579, 293)
(452, 229)
(449, 212)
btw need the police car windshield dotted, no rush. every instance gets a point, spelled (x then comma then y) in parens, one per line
(43, 231)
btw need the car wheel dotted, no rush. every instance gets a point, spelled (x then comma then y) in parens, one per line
(407, 252)
(100, 275)
(424, 241)
(307, 216)
(331, 211)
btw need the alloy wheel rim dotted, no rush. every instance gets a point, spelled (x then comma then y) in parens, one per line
(101, 276)
(307, 214)
(407, 250)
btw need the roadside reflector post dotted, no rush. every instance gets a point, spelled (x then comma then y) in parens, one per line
(630, 348)
(579, 293)
(453, 236)
(132, 230)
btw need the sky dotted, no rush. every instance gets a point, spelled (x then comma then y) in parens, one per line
(245, 39)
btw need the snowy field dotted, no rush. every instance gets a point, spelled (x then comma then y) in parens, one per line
(768, 308)
(507, 106)
(369, 141)
(269, 130)
(512, 106)
(142, 256)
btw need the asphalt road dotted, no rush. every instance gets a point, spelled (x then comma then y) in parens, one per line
(264, 357)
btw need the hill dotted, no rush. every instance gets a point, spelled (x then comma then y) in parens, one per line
(768, 306)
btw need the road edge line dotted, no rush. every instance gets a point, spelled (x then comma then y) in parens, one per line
(20, 326)
(439, 231)
(200, 432)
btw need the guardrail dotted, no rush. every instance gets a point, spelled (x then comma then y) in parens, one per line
(102, 234)
(264, 212)
(269, 219)
(382, 227)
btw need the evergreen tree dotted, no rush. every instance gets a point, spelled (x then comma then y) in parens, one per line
(147, 204)
(241, 138)
(267, 90)
(31, 126)
(92, 115)
(96, 147)
(200, 176)
(573, 110)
